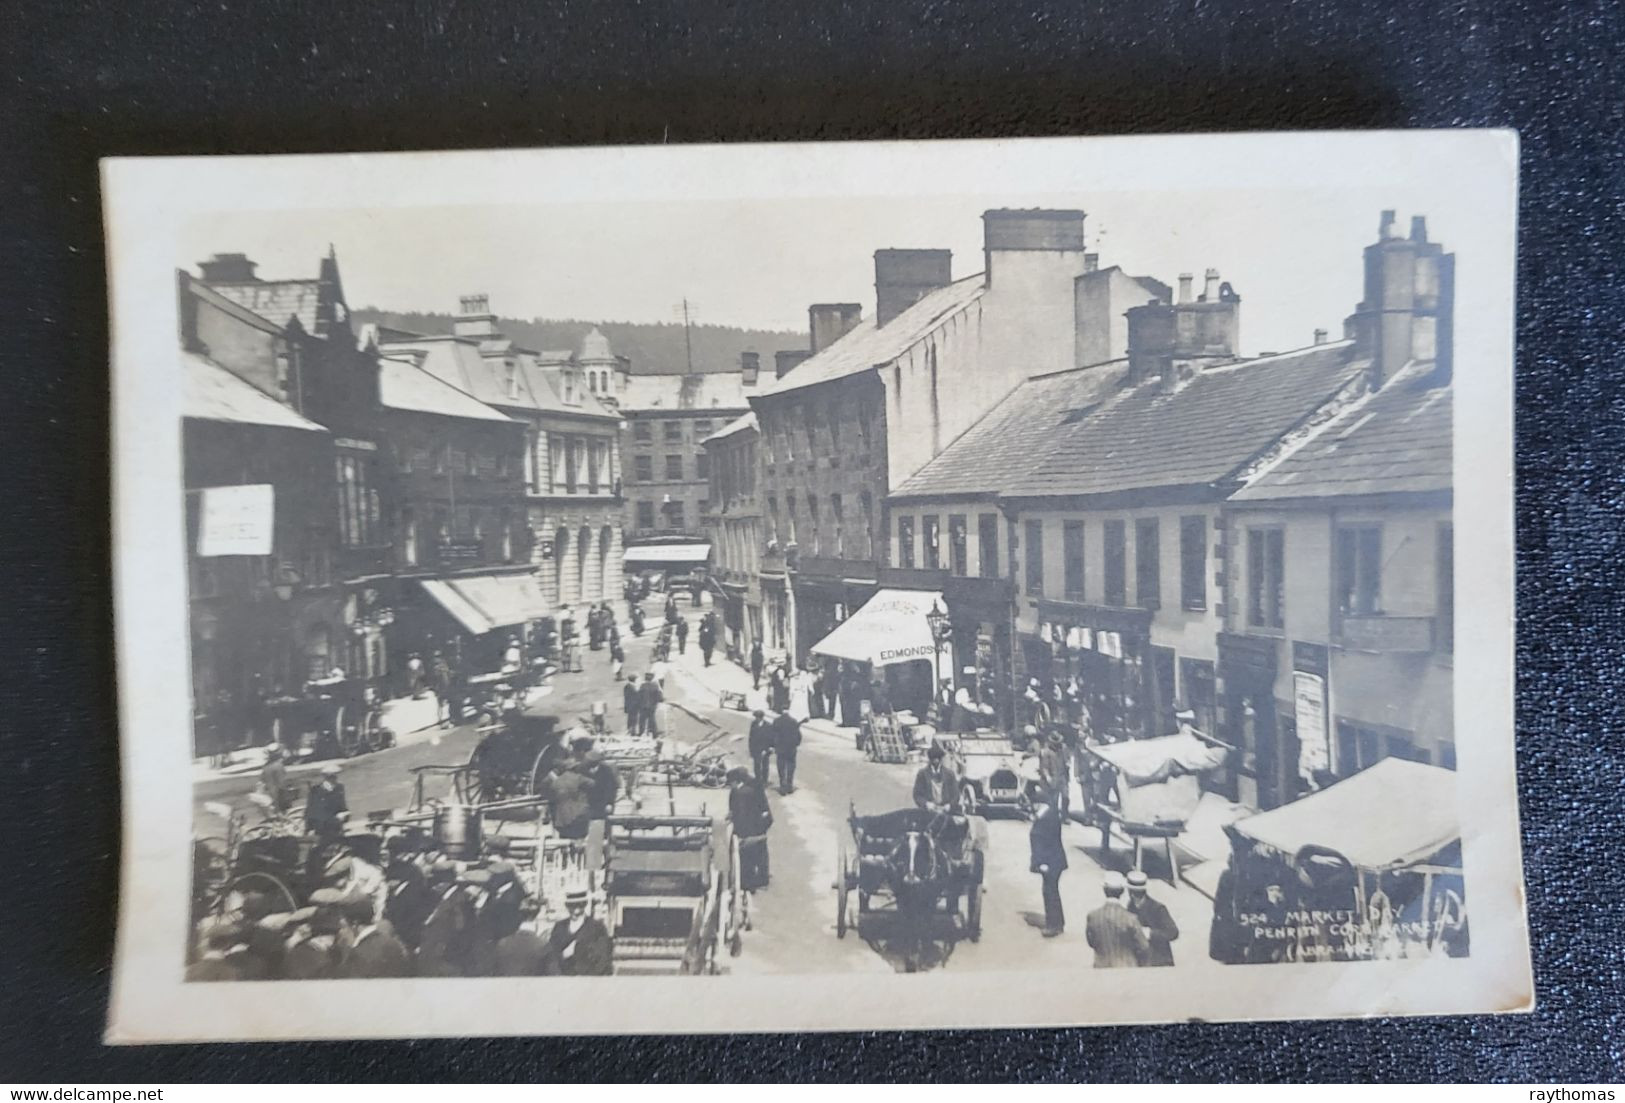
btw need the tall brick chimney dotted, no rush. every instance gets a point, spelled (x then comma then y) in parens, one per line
(829, 322)
(1038, 230)
(1408, 310)
(228, 268)
(786, 359)
(905, 276)
(750, 367)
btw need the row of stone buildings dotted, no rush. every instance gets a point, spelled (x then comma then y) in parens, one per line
(358, 494)
(1102, 493)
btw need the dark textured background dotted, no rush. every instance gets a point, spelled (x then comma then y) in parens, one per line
(78, 83)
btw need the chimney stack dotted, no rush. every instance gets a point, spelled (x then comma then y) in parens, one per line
(1210, 286)
(829, 322)
(1320, 336)
(750, 366)
(1185, 281)
(786, 359)
(474, 317)
(1091, 262)
(228, 268)
(1408, 310)
(1039, 230)
(905, 276)
(1173, 341)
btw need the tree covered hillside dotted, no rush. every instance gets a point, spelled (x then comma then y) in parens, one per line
(653, 347)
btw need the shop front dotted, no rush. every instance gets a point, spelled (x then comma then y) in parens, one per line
(827, 591)
(1260, 763)
(472, 618)
(981, 613)
(892, 639)
(1104, 653)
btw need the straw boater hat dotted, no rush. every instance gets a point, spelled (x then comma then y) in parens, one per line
(1136, 881)
(576, 896)
(330, 770)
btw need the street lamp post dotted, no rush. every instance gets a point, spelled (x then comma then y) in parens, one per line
(938, 620)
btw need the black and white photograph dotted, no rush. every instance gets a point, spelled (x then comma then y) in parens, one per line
(815, 587)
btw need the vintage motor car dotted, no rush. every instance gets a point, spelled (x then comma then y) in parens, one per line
(992, 773)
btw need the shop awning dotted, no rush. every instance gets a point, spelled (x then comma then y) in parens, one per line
(668, 553)
(1394, 814)
(482, 603)
(890, 628)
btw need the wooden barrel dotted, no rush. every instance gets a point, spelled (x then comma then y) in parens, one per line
(457, 831)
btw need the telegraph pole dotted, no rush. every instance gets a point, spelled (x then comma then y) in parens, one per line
(688, 340)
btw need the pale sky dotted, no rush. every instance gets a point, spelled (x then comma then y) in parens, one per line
(1292, 255)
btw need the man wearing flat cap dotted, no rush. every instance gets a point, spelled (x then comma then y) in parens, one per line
(1158, 925)
(1112, 930)
(579, 943)
(760, 744)
(447, 933)
(373, 950)
(936, 789)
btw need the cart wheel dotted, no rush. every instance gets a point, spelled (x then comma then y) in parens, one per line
(968, 799)
(265, 883)
(973, 898)
(843, 888)
(345, 741)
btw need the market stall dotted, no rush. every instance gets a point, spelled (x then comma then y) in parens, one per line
(891, 637)
(1146, 788)
(1367, 868)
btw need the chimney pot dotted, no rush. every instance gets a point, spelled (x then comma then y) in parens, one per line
(750, 367)
(1185, 281)
(1385, 228)
(1320, 336)
(1419, 228)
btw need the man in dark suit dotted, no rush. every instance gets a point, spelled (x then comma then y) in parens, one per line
(448, 932)
(1048, 857)
(936, 789)
(786, 741)
(1158, 925)
(326, 808)
(750, 815)
(579, 943)
(631, 703)
(756, 664)
(1113, 932)
(760, 744)
(649, 698)
(373, 949)
(524, 953)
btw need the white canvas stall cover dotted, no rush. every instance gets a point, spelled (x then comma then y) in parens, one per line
(890, 628)
(667, 553)
(1393, 814)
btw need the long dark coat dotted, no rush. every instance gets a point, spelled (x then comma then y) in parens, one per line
(594, 953)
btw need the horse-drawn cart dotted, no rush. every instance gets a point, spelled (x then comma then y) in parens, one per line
(914, 868)
(510, 761)
(667, 902)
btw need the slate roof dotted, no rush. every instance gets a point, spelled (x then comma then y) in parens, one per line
(1200, 435)
(457, 361)
(214, 394)
(737, 425)
(402, 385)
(1394, 441)
(867, 345)
(1009, 439)
(708, 391)
(276, 300)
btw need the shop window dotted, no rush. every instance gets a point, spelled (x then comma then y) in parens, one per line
(1072, 555)
(1359, 570)
(642, 432)
(958, 545)
(674, 468)
(1034, 537)
(931, 531)
(1193, 563)
(1266, 577)
(643, 467)
(1360, 747)
(905, 542)
(1445, 629)
(987, 545)
(646, 515)
(1148, 563)
(1114, 536)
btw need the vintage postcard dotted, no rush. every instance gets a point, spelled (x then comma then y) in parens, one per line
(815, 587)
